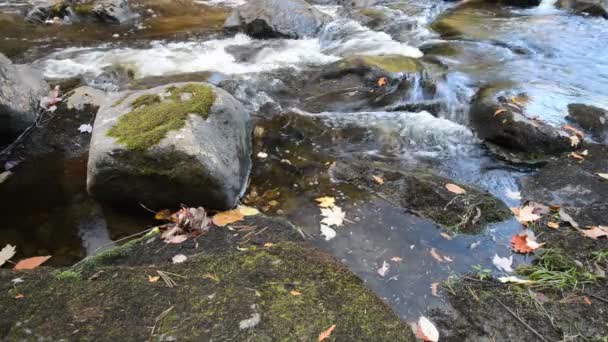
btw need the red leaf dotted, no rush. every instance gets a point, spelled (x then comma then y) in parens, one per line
(31, 263)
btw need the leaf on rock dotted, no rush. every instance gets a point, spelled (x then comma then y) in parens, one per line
(596, 232)
(378, 180)
(31, 263)
(453, 188)
(501, 110)
(327, 232)
(227, 217)
(326, 333)
(525, 242)
(574, 140)
(503, 264)
(326, 202)
(577, 132)
(6, 253)
(383, 269)
(247, 211)
(426, 330)
(577, 156)
(530, 212)
(179, 258)
(382, 81)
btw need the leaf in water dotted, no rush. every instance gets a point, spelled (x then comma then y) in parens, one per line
(6, 253)
(31, 263)
(455, 189)
(179, 258)
(446, 236)
(326, 333)
(327, 232)
(436, 255)
(603, 175)
(333, 216)
(326, 202)
(596, 232)
(503, 264)
(384, 269)
(435, 289)
(426, 330)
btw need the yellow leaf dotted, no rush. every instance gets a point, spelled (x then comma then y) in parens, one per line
(153, 279)
(164, 214)
(501, 110)
(553, 225)
(326, 202)
(268, 244)
(455, 189)
(325, 334)
(378, 180)
(247, 211)
(227, 217)
(295, 293)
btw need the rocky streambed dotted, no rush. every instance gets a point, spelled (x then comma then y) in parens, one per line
(385, 144)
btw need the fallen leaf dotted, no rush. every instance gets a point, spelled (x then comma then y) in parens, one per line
(164, 215)
(426, 330)
(6, 253)
(4, 176)
(514, 280)
(520, 100)
(326, 202)
(327, 232)
(179, 258)
(211, 276)
(596, 232)
(153, 279)
(525, 242)
(436, 255)
(503, 264)
(295, 293)
(552, 224)
(333, 216)
(396, 259)
(31, 263)
(382, 81)
(455, 189)
(85, 128)
(573, 130)
(227, 217)
(383, 269)
(574, 140)
(501, 110)
(585, 153)
(603, 175)
(446, 236)
(525, 214)
(435, 289)
(326, 333)
(176, 239)
(587, 300)
(577, 156)
(378, 180)
(19, 296)
(262, 155)
(447, 258)
(247, 211)
(268, 244)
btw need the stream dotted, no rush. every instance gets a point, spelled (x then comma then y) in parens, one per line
(551, 55)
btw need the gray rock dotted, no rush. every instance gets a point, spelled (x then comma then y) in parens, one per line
(276, 19)
(594, 8)
(506, 124)
(590, 118)
(204, 163)
(114, 11)
(21, 89)
(106, 11)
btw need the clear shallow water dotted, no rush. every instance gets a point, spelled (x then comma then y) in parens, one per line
(552, 55)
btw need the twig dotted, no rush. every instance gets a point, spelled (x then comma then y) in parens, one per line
(521, 321)
(158, 319)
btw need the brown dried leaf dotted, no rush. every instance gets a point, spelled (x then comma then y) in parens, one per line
(553, 225)
(596, 232)
(587, 300)
(436, 255)
(19, 296)
(295, 293)
(326, 333)
(378, 180)
(525, 243)
(573, 130)
(435, 289)
(455, 189)
(31, 263)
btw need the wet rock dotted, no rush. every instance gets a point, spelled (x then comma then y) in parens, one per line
(231, 287)
(593, 8)
(276, 19)
(500, 118)
(345, 3)
(573, 184)
(113, 11)
(181, 143)
(590, 118)
(106, 11)
(425, 194)
(21, 89)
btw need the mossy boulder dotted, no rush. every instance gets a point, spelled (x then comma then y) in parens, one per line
(499, 116)
(285, 291)
(182, 143)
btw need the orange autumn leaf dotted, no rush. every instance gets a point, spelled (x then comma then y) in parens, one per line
(325, 334)
(455, 189)
(396, 259)
(19, 296)
(525, 243)
(31, 263)
(382, 81)
(573, 130)
(436, 255)
(587, 300)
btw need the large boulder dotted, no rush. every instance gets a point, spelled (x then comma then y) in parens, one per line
(594, 8)
(276, 19)
(590, 118)
(499, 117)
(106, 11)
(185, 143)
(113, 11)
(21, 89)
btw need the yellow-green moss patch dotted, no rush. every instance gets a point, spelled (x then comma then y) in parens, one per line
(392, 63)
(152, 118)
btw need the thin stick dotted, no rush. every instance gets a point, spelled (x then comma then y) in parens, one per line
(158, 319)
(521, 321)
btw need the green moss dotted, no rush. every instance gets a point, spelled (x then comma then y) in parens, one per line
(83, 9)
(388, 63)
(67, 275)
(146, 126)
(146, 100)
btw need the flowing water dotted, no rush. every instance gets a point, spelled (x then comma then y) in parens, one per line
(549, 54)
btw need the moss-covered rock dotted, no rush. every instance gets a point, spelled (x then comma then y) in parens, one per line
(182, 143)
(286, 291)
(387, 63)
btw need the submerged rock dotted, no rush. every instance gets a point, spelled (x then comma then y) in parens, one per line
(594, 8)
(590, 118)
(287, 291)
(182, 143)
(21, 89)
(276, 19)
(499, 117)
